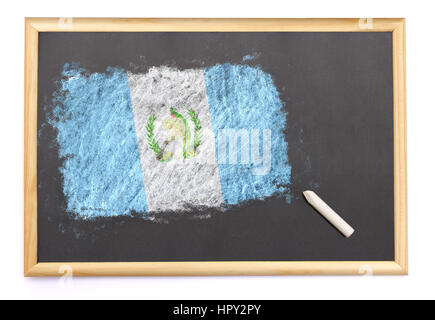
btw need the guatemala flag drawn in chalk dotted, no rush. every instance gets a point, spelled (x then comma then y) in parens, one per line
(169, 140)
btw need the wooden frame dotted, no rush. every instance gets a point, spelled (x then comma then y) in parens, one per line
(35, 25)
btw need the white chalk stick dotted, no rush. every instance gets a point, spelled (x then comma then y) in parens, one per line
(329, 214)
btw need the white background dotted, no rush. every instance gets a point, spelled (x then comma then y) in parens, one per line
(421, 157)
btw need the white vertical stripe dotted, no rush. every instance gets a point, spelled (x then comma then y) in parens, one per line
(180, 183)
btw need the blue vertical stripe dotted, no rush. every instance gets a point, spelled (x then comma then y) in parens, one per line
(97, 139)
(243, 97)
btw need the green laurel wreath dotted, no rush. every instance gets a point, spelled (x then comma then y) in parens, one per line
(197, 134)
(154, 146)
(152, 143)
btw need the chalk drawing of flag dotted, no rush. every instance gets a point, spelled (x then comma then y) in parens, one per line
(169, 140)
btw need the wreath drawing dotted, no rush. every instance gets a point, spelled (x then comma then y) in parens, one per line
(178, 130)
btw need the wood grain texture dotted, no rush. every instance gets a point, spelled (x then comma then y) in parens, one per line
(33, 268)
(400, 167)
(30, 147)
(217, 268)
(207, 25)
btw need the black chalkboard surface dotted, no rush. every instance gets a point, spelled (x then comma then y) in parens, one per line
(197, 146)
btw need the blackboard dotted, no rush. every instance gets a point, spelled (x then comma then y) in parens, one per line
(329, 94)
